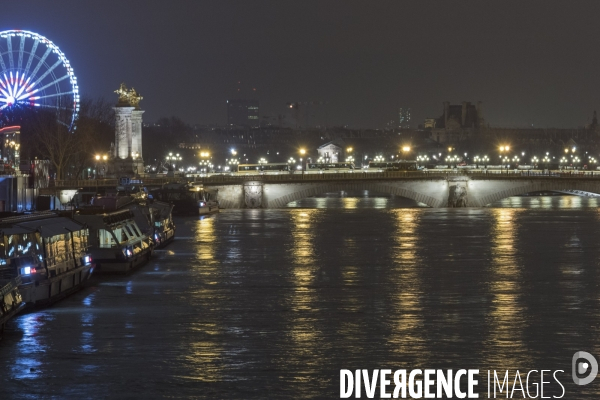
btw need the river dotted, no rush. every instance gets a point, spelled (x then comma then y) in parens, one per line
(271, 304)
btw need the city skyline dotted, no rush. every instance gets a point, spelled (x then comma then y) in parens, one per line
(529, 64)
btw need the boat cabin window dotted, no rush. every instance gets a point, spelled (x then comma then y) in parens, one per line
(105, 238)
(128, 233)
(136, 229)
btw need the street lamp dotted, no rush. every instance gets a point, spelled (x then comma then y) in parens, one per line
(379, 159)
(405, 149)
(576, 161)
(173, 158)
(422, 159)
(99, 157)
(563, 161)
(534, 161)
(302, 162)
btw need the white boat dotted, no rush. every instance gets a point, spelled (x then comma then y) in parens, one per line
(118, 245)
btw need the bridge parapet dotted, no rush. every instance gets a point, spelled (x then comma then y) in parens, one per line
(435, 189)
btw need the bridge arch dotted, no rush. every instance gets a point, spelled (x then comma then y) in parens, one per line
(485, 192)
(277, 196)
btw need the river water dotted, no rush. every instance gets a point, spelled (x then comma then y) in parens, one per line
(271, 304)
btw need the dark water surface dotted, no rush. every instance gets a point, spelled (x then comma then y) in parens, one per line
(271, 304)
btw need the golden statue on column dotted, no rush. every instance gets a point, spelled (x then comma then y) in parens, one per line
(128, 97)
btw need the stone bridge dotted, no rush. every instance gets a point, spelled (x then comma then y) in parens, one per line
(434, 190)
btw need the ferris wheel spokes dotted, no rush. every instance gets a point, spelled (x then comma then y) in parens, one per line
(31, 53)
(41, 62)
(21, 49)
(10, 53)
(34, 77)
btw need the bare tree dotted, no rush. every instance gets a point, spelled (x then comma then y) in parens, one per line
(45, 136)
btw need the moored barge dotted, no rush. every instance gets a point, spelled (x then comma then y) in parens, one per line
(11, 301)
(48, 253)
(188, 199)
(118, 245)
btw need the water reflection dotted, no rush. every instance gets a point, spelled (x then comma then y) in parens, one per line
(203, 357)
(355, 199)
(32, 347)
(301, 328)
(507, 320)
(407, 337)
(547, 202)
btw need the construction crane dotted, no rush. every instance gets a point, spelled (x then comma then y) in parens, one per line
(296, 106)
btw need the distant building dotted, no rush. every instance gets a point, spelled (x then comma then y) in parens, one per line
(404, 116)
(243, 113)
(457, 123)
(330, 152)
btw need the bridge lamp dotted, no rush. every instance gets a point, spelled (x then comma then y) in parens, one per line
(405, 149)
(349, 149)
(233, 152)
(573, 150)
(302, 151)
(566, 150)
(97, 157)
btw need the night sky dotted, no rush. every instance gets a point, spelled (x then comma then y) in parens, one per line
(533, 62)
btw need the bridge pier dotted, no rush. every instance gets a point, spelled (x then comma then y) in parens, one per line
(253, 194)
(458, 192)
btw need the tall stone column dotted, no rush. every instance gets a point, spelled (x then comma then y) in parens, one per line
(136, 133)
(123, 132)
(126, 159)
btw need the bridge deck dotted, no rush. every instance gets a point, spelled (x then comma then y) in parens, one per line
(355, 176)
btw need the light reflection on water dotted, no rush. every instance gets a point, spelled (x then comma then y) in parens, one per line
(272, 303)
(506, 315)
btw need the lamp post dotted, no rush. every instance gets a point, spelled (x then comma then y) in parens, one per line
(485, 160)
(99, 157)
(504, 149)
(563, 161)
(233, 163)
(576, 161)
(534, 161)
(405, 151)
(172, 159)
(302, 161)
(593, 162)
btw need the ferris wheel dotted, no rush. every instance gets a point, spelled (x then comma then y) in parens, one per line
(34, 72)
